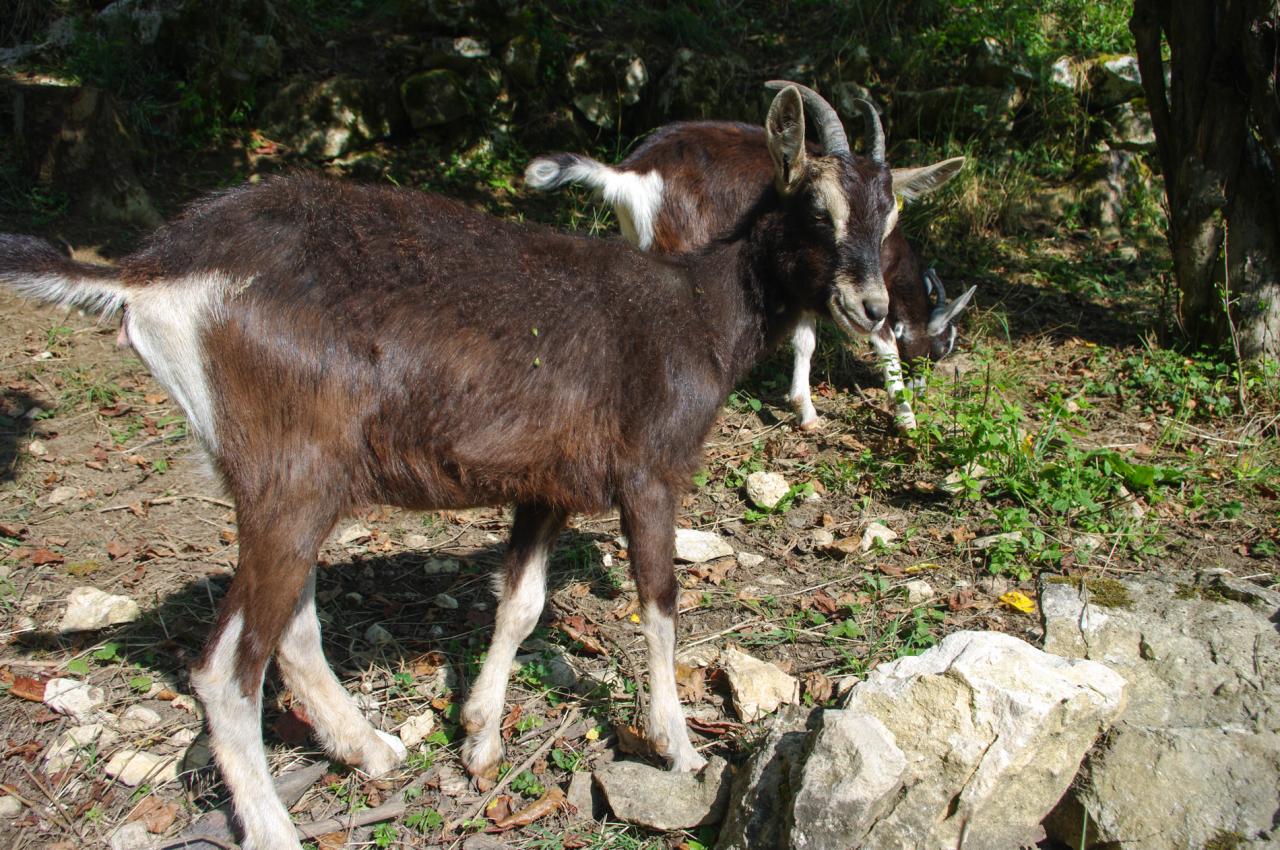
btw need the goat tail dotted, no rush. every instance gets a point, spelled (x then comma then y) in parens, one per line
(37, 270)
(553, 170)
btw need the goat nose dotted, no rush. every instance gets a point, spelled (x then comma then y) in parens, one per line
(876, 308)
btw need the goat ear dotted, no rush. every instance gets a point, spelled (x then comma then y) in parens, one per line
(946, 314)
(912, 183)
(784, 129)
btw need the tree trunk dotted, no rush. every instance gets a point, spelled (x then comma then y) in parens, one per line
(1217, 128)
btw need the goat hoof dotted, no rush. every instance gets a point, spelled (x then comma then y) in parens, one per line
(690, 761)
(481, 756)
(810, 425)
(384, 755)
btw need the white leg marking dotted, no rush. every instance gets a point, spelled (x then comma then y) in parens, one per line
(887, 353)
(235, 733)
(805, 340)
(166, 322)
(518, 612)
(343, 731)
(666, 719)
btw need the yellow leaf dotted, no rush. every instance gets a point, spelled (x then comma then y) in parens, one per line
(593, 734)
(1019, 602)
(921, 567)
(635, 618)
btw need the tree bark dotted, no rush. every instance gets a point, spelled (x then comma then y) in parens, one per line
(1217, 126)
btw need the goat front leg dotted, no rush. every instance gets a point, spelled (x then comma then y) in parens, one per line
(804, 339)
(886, 349)
(343, 731)
(648, 520)
(522, 593)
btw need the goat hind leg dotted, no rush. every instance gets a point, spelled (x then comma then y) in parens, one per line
(522, 592)
(343, 731)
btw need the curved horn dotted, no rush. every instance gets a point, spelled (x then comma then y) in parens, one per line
(830, 130)
(933, 285)
(875, 132)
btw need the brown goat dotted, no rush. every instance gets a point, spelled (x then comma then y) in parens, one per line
(689, 182)
(337, 346)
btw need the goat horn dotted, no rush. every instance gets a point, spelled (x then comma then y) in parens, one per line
(934, 284)
(830, 130)
(875, 132)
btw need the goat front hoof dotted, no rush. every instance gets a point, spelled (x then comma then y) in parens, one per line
(481, 755)
(384, 755)
(809, 425)
(690, 761)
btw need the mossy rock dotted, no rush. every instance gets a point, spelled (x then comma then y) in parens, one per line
(1103, 592)
(435, 98)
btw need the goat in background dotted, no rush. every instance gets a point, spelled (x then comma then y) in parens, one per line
(690, 182)
(337, 346)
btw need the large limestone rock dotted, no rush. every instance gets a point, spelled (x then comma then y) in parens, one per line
(1196, 758)
(659, 799)
(324, 119)
(971, 744)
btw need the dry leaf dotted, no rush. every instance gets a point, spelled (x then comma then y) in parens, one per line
(824, 603)
(961, 599)
(331, 841)
(499, 808)
(1019, 602)
(157, 814)
(82, 568)
(690, 683)
(632, 741)
(28, 687)
(117, 549)
(714, 572)
(40, 557)
(960, 534)
(818, 687)
(539, 808)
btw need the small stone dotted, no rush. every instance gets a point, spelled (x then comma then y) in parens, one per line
(73, 697)
(183, 737)
(767, 489)
(137, 718)
(132, 836)
(990, 540)
(133, 767)
(758, 687)
(62, 494)
(659, 799)
(378, 636)
(353, 535)
(579, 794)
(199, 754)
(919, 591)
(441, 567)
(954, 483)
(68, 747)
(749, 560)
(36, 448)
(414, 730)
(559, 673)
(417, 541)
(185, 702)
(89, 609)
(876, 534)
(821, 539)
(444, 600)
(452, 783)
(695, 547)
(10, 807)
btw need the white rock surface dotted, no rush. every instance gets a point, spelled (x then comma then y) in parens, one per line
(694, 546)
(414, 730)
(70, 746)
(73, 697)
(131, 836)
(62, 494)
(767, 489)
(377, 635)
(417, 541)
(1197, 754)
(444, 600)
(919, 591)
(749, 560)
(10, 807)
(441, 567)
(758, 687)
(133, 767)
(659, 799)
(877, 533)
(353, 535)
(137, 718)
(88, 609)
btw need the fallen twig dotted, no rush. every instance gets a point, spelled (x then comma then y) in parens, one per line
(393, 808)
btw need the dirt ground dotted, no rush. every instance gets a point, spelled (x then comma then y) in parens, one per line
(102, 487)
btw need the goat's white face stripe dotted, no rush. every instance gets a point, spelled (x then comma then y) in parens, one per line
(827, 186)
(235, 724)
(166, 324)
